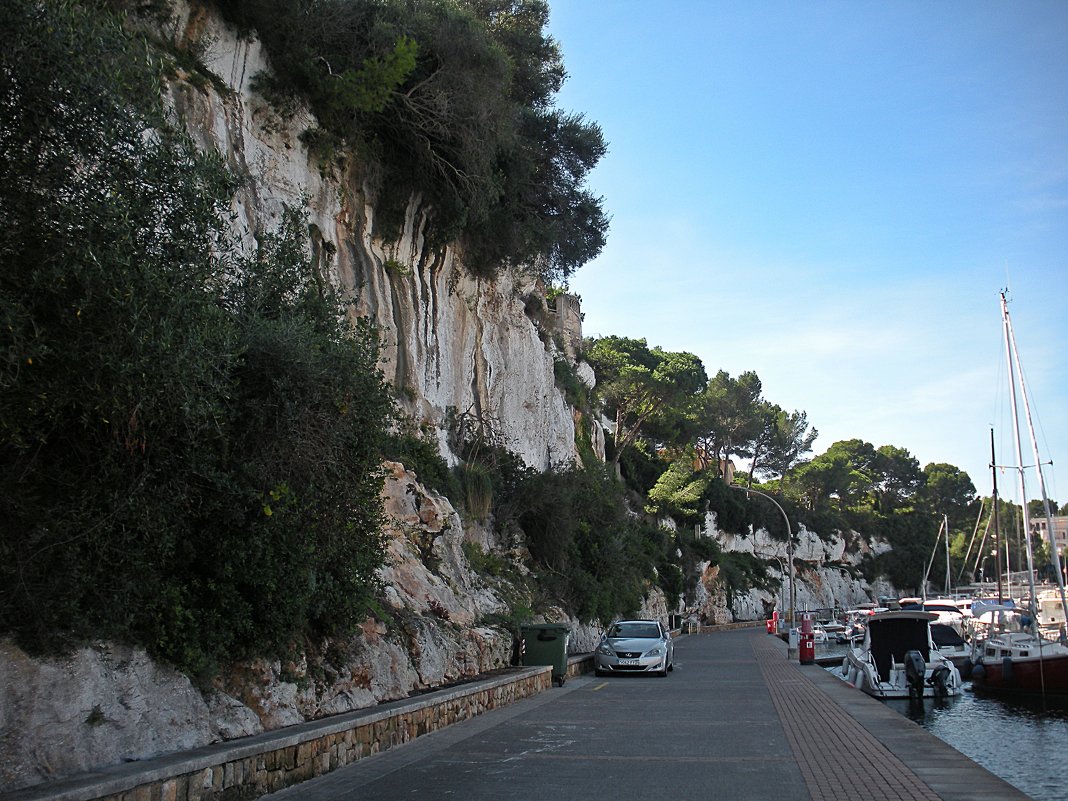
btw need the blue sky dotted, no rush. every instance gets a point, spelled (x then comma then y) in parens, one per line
(832, 194)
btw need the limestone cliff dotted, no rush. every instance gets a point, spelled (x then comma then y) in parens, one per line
(450, 341)
(826, 574)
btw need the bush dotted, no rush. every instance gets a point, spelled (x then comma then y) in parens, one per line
(639, 465)
(477, 482)
(577, 393)
(591, 552)
(189, 438)
(488, 563)
(740, 572)
(420, 455)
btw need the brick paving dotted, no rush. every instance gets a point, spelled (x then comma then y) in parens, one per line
(850, 746)
(838, 757)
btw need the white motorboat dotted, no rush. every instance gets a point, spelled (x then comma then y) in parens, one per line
(1050, 612)
(898, 659)
(951, 645)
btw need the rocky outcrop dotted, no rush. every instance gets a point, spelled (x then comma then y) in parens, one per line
(450, 341)
(825, 576)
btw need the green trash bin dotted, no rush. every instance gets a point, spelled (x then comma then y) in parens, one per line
(546, 644)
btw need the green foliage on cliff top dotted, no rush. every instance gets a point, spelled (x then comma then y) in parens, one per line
(452, 99)
(189, 438)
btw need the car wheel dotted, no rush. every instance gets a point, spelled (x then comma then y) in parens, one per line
(671, 666)
(599, 673)
(662, 673)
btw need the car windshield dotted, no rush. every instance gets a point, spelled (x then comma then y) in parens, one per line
(635, 630)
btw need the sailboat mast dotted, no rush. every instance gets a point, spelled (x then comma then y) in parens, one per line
(934, 552)
(1055, 558)
(949, 579)
(1007, 325)
(994, 511)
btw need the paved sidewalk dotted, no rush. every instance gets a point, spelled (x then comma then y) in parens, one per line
(849, 745)
(735, 721)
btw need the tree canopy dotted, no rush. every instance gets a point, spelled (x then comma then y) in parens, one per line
(647, 390)
(450, 100)
(727, 416)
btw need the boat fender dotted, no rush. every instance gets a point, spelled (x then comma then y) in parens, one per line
(966, 669)
(915, 668)
(978, 673)
(1006, 669)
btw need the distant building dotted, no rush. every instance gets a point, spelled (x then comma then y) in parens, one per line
(1039, 526)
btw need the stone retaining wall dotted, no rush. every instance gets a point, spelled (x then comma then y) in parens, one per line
(740, 624)
(253, 766)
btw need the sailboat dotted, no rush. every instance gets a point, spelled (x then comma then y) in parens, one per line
(1022, 661)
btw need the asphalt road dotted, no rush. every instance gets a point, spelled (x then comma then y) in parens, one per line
(707, 731)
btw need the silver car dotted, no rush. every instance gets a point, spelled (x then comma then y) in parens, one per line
(634, 646)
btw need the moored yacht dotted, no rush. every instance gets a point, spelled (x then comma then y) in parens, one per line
(1023, 660)
(1019, 661)
(952, 646)
(898, 659)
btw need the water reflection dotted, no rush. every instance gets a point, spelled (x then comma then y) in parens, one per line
(1022, 741)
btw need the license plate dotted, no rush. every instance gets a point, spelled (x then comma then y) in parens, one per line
(628, 661)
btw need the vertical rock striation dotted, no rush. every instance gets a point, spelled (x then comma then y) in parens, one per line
(450, 340)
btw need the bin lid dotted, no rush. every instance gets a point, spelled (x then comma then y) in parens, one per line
(545, 627)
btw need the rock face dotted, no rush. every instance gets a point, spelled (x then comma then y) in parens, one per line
(452, 345)
(100, 705)
(450, 341)
(107, 704)
(825, 576)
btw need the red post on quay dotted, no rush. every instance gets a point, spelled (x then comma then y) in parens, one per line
(807, 650)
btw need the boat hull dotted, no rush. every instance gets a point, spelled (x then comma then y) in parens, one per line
(1029, 675)
(858, 671)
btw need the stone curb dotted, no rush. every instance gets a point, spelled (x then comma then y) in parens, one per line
(252, 766)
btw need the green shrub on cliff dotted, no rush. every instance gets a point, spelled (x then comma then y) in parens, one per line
(589, 551)
(189, 438)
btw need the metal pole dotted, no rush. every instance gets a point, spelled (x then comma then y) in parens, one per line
(789, 545)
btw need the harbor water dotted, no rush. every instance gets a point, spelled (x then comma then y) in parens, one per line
(1022, 742)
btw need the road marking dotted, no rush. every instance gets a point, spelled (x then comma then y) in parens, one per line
(600, 686)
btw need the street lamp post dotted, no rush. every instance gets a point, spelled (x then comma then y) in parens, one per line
(782, 571)
(789, 545)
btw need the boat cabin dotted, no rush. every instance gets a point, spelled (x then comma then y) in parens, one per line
(892, 634)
